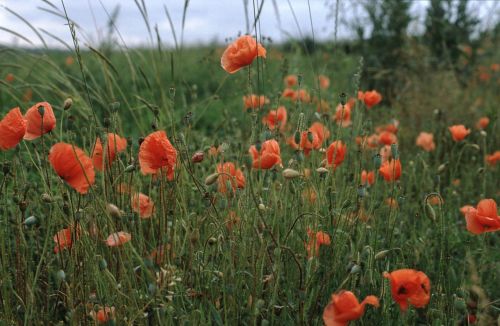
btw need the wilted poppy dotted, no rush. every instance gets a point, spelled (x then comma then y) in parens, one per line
(142, 205)
(156, 154)
(276, 118)
(40, 119)
(484, 218)
(115, 144)
(425, 140)
(324, 82)
(371, 98)
(458, 132)
(73, 166)
(391, 170)
(12, 129)
(409, 287)
(268, 156)
(118, 238)
(367, 178)
(316, 240)
(230, 175)
(241, 53)
(345, 307)
(492, 159)
(253, 101)
(335, 153)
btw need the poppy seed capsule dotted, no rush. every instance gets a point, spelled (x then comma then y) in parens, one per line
(30, 221)
(198, 157)
(67, 104)
(210, 180)
(291, 174)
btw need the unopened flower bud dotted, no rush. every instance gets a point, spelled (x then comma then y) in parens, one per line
(198, 157)
(113, 211)
(210, 180)
(67, 104)
(291, 174)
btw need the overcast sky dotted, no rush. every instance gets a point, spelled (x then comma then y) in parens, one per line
(206, 20)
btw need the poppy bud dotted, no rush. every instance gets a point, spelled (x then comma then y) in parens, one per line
(290, 174)
(429, 212)
(377, 161)
(113, 211)
(212, 241)
(211, 179)
(441, 167)
(46, 198)
(67, 104)
(310, 136)
(195, 236)
(30, 221)
(296, 137)
(262, 207)
(381, 254)
(198, 157)
(475, 146)
(483, 133)
(361, 191)
(130, 168)
(41, 110)
(60, 275)
(356, 269)
(258, 145)
(395, 151)
(322, 170)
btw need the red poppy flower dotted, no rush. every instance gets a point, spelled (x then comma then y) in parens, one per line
(316, 240)
(345, 307)
(367, 178)
(484, 218)
(482, 123)
(291, 80)
(40, 119)
(391, 170)
(241, 53)
(104, 315)
(73, 166)
(156, 154)
(372, 98)
(324, 82)
(142, 205)
(425, 140)
(268, 156)
(118, 239)
(115, 144)
(317, 132)
(492, 159)
(387, 138)
(236, 178)
(343, 115)
(12, 129)
(335, 153)
(289, 93)
(62, 240)
(409, 287)
(458, 132)
(253, 101)
(276, 118)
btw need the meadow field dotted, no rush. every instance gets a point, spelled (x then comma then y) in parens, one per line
(248, 183)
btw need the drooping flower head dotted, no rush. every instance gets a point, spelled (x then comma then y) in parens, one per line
(156, 154)
(345, 307)
(73, 166)
(241, 53)
(409, 287)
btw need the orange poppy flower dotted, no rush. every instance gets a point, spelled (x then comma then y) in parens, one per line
(495, 67)
(63, 240)
(391, 202)
(371, 98)
(36, 126)
(322, 106)
(465, 209)
(73, 166)
(241, 53)
(237, 179)
(27, 95)
(391, 127)
(276, 118)
(368, 141)
(361, 95)
(318, 133)
(142, 205)
(316, 240)
(118, 239)
(385, 153)
(156, 154)
(103, 315)
(253, 101)
(367, 178)
(291, 80)
(482, 123)
(268, 156)
(289, 93)
(310, 195)
(425, 140)
(492, 159)
(343, 115)
(484, 218)
(303, 96)
(391, 170)
(345, 307)
(324, 82)
(115, 144)
(409, 287)
(9, 78)
(335, 153)
(12, 129)
(387, 138)
(69, 61)
(458, 132)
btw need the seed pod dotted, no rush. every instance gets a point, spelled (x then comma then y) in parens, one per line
(41, 110)
(296, 137)
(377, 161)
(291, 174)
(67, 104)
(210, 180)
(310, 136)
